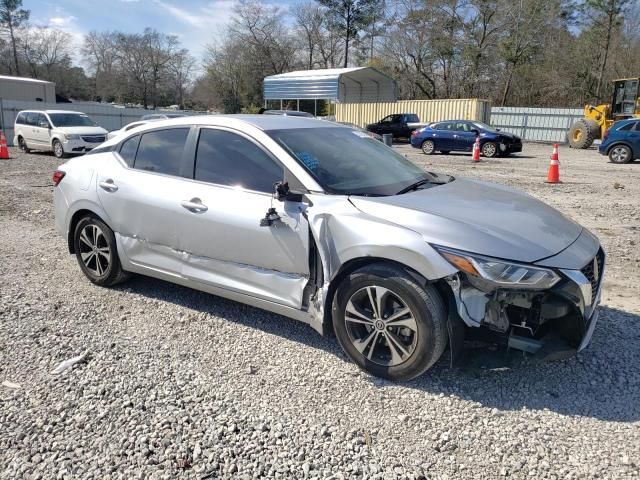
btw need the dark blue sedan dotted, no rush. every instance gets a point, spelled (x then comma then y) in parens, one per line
(460, 135)
(622, 141)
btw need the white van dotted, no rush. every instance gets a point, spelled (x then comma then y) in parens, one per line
(60, 131)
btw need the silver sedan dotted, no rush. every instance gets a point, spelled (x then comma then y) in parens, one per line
(321, 223)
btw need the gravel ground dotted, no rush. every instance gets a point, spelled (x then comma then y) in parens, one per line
(180, 384)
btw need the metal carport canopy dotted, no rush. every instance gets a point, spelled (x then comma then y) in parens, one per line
(345, 85)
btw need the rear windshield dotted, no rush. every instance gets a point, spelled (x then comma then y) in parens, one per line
(71, 120)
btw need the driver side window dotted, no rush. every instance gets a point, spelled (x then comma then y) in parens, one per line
(226, 158)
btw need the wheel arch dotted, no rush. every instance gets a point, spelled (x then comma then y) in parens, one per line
(354, 264)
(621, 142)
(73, 222)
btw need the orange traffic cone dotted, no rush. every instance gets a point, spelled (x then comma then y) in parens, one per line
(553, 176)
(4, 151)
(476, 150)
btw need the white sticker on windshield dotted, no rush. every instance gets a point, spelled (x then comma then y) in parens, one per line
(361, 134)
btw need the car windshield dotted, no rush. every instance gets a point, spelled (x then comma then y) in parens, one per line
(71, 120)
(484, 126)
(349, 162)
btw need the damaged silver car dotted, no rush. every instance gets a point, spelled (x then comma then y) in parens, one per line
(323, 224)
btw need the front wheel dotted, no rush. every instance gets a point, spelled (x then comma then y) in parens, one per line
(428, 147)
(95, 247)
(58, 150)
(489, 149)
(389, 324)
(620, 154)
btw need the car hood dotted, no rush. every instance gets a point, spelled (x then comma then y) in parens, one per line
(508, 135)
(82, 130)
(478, 217)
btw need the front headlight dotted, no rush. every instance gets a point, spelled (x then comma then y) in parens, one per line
(500, 272)
(71, 136)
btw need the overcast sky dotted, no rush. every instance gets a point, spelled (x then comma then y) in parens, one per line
(195, 22)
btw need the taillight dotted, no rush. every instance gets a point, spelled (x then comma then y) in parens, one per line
(58, 175)
(606, 134)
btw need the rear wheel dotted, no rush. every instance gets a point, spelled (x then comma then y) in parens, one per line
(23, 145)
(620, 154)
(428, 147)
(582, 133)
(389, 324)
(95, 247)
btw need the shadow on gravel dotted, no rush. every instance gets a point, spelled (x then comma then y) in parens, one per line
(601, 382)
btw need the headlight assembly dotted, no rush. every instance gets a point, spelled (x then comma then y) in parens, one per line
(71, 136)
(500, 272)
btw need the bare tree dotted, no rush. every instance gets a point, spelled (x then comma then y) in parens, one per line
(12, 17)
(181, 68)
(310, 20)
(604, 16)
(159, 51)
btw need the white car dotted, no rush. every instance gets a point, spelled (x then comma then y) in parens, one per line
(62, 132)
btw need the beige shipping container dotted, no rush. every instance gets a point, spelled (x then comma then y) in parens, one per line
(428, 110)
(27, 89)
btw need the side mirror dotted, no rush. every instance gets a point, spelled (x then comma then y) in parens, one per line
(44, 125)
(281, 192)
(497, 129)
(475, 132)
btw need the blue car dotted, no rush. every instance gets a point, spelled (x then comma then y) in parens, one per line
(622, 141)
(460, 135)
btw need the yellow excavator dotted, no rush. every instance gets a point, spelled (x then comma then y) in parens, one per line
(597, 120)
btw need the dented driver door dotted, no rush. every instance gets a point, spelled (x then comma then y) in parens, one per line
(223, 241)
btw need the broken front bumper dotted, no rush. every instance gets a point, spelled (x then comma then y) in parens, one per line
(560, 319)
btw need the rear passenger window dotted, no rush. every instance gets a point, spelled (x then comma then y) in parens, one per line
(128, 149)
(160, 151)
(225, 158)
(20, 120)
(626, 127)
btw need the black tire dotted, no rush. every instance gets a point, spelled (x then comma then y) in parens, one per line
(426, 309)
(100, 267)
(428, 147)
(582, 133)
(23, 145)
(489, 149)
(58, 149)
(620, 154)
(445, 152)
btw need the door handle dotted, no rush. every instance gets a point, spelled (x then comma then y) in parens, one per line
(108, 185)
(194, 205)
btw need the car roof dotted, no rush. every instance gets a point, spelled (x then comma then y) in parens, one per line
(263, 122)
(52, 111)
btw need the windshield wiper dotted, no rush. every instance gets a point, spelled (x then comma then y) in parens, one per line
(419, 183)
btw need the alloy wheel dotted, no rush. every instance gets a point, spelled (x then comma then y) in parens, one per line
(381, 326)
(94, 250)
(619, 155)
(489, 150)
(57, 149)
(428, 147)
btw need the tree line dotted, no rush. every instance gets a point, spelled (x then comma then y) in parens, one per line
(552, 53)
